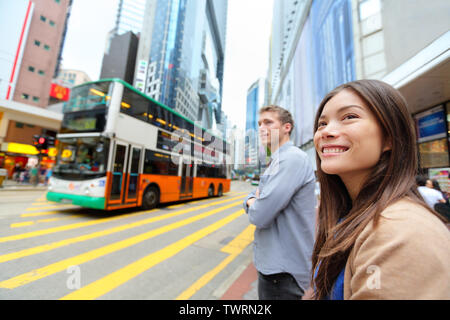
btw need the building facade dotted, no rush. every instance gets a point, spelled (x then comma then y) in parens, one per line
(119, 61)
(255, 100)
(18, 123)
(334, 42)
(130, 16)
(71, 78)
(29, 61)
(41, 51)
(180, 57)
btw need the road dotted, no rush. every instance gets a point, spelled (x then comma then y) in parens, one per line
(186, 250)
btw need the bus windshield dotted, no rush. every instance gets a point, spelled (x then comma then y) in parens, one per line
(81, 158)
(87, 107)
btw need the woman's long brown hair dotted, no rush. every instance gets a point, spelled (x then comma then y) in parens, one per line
(392, 179)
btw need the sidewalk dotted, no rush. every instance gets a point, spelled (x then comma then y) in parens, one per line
(11, 185)
(244, 287)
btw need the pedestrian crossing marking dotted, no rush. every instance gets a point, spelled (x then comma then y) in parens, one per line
(88, 223)
(30, 223)
(108, 283)
(21, 224)
(96, 253)
(51, 207)
(44, 213)
(234, 248)
(42, 203)
(66, 242)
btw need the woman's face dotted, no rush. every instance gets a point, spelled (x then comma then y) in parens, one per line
(349, 139)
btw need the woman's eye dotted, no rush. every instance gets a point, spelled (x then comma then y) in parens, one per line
(321, 124)
(351, 116)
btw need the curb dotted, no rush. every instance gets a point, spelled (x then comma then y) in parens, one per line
(22, 188)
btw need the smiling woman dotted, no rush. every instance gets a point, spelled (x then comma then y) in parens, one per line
(349, 139)
(371, 214)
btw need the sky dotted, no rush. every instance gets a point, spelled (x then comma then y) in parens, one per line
(246, 53)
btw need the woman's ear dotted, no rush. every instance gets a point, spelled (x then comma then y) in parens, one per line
(387, 145)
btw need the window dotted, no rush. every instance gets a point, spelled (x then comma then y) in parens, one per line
(19, 125)
(52, 23)
(35, 99)
(31, 69)
(156, 163)
(47, 47)
(43, 19)
(58, 1)
(37, 43)
(173, 165)
(25, 96)
(135, 105)
(368, 8)
(41, 72)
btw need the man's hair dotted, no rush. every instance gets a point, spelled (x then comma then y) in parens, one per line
(284, 115)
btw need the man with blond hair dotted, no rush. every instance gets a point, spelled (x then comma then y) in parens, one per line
(283, 210)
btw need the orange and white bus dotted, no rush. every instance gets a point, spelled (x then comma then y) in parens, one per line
(118, 148)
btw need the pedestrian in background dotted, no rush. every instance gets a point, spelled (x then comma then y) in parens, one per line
(377, 238)
(283, 210)
(428, 192)
(34, 176)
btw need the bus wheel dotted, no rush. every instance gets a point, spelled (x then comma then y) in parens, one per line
(211, 191)
(220, 191)
(151, 198)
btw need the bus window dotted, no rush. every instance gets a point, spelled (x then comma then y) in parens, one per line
(190, 127)
(156, 163)
(152, 112)
(202, 171)
(173, 165)
(134, 105)
(178, 123)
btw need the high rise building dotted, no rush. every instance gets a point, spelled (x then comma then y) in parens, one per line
(256, 98)
(119, 60)
(40, 49)
(130, 16)
(337, 41)
(180, 57)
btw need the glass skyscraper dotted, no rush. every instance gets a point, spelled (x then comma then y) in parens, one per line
(130, 16)
(181, 56)
(256, 98)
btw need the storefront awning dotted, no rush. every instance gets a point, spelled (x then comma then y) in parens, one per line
(19, 148)
(424, 80)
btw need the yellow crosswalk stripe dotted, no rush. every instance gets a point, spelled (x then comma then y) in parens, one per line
(234, 248)
(88, 223)
(66, 242)
(104, 285)
(43, 213)
(30, 223)
(96, 253)
(61, 206)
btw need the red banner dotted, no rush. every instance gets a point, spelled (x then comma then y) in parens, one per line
(59, 92)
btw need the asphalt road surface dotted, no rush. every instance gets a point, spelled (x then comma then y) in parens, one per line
(185, 250)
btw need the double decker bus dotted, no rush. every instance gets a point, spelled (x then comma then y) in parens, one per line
(118, 148)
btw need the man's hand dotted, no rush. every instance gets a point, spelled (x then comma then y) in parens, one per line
(252, 200)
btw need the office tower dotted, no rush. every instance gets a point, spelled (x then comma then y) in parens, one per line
(181, 56)
(120, 58)
(130, 16)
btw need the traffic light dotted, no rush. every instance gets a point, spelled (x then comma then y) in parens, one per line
(40, 142)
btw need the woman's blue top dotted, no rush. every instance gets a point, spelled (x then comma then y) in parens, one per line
(337, 292)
